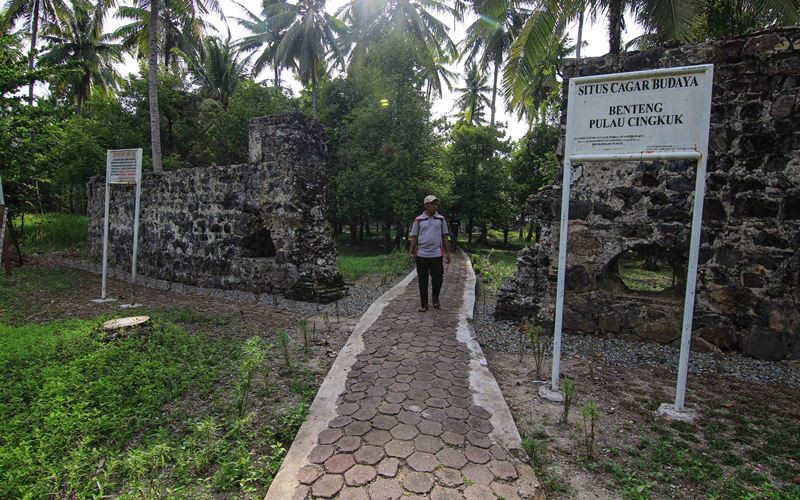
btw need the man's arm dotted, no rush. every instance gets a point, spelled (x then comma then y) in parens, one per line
(446, 244)
(412, 248)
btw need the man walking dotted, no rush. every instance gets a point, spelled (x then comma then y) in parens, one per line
(429, 245)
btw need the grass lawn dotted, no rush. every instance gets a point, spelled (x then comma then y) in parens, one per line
(203, 405)
(48, 232)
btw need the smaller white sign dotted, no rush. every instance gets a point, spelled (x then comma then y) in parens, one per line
(123, 166)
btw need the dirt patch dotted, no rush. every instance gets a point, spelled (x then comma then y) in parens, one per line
(745, 440)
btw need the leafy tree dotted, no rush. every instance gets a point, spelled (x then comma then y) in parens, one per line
(35, 14)
(489, 38)
(265, 37)
(533, 166)
(81, 43)
(473, 100)
(181, 109)
(381, 143)
(227, 134)
(478, 159)
(372, 22)
(217, 69)
(310, 35)
(530, 79)
(192, 9)
(729, 18)
(179, 31)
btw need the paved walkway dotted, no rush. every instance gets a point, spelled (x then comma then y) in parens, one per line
(409, 410)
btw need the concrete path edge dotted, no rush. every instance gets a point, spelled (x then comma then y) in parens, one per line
(482, 383)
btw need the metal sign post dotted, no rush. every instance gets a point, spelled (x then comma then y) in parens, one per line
(123, 166)
(661, 114)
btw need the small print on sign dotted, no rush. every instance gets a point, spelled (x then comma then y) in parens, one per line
(122, 166)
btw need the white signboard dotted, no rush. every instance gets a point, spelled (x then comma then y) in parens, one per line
(638, 114)
(123, 166)
(661, 114)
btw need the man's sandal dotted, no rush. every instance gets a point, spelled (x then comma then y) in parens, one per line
(436, 305)
(422, 309)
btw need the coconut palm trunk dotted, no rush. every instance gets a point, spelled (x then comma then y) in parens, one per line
(580, 34)
(494, 88)
(314, 87)
(152, 88)
(615, 20)
(34, 38)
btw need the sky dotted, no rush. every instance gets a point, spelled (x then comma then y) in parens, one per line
(595, 35)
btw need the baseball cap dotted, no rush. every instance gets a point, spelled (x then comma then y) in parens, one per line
(430, 199)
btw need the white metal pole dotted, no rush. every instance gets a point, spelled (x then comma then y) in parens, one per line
(105, 241)
(694, 244)
(136, 227)
(562, 267)
(691, 280)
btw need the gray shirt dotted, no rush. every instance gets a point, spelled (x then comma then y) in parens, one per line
(429, 232)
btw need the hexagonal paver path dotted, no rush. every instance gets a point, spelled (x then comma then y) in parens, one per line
(409, 409)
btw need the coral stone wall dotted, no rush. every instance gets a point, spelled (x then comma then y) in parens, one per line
(257, 227)
(748, 289)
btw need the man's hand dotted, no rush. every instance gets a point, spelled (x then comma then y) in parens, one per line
(411, 258)
(447, 258)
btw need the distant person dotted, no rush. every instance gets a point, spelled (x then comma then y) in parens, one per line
(455, 224)
(428, 246)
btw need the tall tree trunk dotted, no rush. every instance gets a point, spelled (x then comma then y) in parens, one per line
(520, 230)
(367, 229)
(530, 232)
(361, 231)
(398, 235)
(353, 233)
(505, 236)
(387, 237)
(469, 231)
(152, 87)
(314, 87)
(277, 76)
(615, 21)
(494, 88)
(484, 236)
(580, 32)
(34, 38)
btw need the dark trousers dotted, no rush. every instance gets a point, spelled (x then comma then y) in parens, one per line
(434, 266)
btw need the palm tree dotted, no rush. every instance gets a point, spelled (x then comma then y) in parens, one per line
(82, 42)
(310, 37)
(36, 14)
(264, 37)
(193, 9)
(489, 38)
(473, 100)
(218, 70)
(178, 31)
(435, 72)
(374, 20)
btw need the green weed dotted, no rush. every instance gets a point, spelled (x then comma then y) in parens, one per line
(568, 389)
(49, 232)
(356, 265)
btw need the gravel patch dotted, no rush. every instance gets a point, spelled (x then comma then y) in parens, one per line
(358, 299)
(504, 336)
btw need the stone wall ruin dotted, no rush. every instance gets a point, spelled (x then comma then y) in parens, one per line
(748, 288)
(257, 227)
